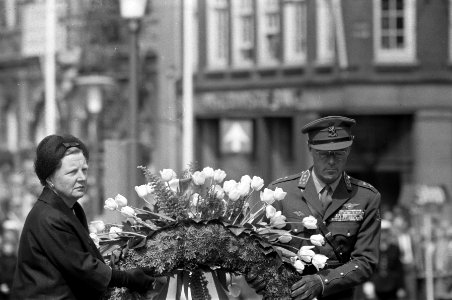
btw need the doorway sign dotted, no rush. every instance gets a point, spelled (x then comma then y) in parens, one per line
(236, 136)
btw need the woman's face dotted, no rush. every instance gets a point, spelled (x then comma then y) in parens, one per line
(70, 180)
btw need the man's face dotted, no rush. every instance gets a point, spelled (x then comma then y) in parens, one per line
(70, 180)
(329, 165)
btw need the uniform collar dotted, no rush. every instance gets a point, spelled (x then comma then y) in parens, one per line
(319, 184)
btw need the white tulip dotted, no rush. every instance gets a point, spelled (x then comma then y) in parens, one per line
(229, 185)
(219, 175)
(120, 200)
(279, 194)
(267, 196)
(127, 211)
(167, 174)
(111, 204)
(198, 178)
(257, 183)
(208, 172)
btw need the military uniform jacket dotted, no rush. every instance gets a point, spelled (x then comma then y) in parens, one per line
(57, 259)
(353, 220)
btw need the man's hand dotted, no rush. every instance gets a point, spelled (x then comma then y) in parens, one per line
(307, 288)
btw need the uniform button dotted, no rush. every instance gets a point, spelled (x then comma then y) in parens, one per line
(295, 230)
(342, 274)
(340, 253)
(356, 267)
(326, 280)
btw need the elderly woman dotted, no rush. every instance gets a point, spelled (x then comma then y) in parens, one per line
(57, 258)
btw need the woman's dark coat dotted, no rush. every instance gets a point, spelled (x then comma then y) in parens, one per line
(57, 259)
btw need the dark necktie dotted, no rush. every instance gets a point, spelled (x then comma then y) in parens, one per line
(325, 196)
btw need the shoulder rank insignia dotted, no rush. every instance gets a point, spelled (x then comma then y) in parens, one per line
(350, 205)
(348, 184)
(304, 179)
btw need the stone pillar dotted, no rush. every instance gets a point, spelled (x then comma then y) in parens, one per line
(432, 138)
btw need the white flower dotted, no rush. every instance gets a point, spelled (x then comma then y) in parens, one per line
(285, 238)
(127, 211)
(95, 239)
(270, 211)
(145, 191)
(114, 232)
(267, 196)
(195, 199)
(257, 183)
(278, 220)
(120, 200)
(218, 192)
(279, 194)
(97, 225)
(246, 178)
(317, 240)
(243, 188)
(309, 222)
(319, 261)
(208, 172)
(174, 185)
(298, 265)
(110, 204)
(234, 195)
(167, 174)
(305, 253)
(219, 175)
(198, 178)
(229, 185)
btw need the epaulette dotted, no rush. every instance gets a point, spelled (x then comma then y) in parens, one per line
(362, 184)
(304, 177)
(287, 178)
(348, 184)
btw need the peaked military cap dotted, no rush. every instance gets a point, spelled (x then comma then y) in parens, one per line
(330, 133)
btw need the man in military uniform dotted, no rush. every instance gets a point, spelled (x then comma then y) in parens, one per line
(346, 209)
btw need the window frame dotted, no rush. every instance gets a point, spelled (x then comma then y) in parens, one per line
(214, 36)
(264, 56)
(238, 37)
(295, 27)
(405, 55)
(326, 43)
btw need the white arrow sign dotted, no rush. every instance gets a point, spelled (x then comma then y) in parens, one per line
(236, 139)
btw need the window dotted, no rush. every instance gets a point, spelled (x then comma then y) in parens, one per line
(325, 33)
(295, 31)
(218, 33)
(450, 31)
(394, 31)
(270, 32)
(243, 25)
(8, 14)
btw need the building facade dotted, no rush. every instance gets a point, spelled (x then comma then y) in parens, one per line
(266, 67)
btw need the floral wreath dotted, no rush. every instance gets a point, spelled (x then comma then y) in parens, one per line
(191, 225)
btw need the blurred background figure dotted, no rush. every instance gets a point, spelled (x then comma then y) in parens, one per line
(387, 282)
(8, 256)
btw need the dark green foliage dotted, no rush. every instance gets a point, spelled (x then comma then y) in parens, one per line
(208, 246)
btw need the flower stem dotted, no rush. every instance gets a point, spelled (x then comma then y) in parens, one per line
(154, 213)
(122, 232)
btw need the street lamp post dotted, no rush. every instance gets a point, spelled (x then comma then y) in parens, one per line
(133, 11)
(93, 85)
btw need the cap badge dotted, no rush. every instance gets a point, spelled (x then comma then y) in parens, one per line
(332, 131)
